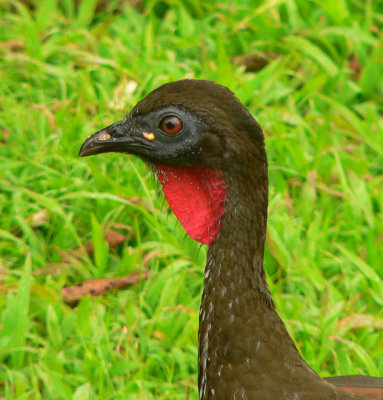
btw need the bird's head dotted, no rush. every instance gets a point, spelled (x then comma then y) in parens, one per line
(195, 134)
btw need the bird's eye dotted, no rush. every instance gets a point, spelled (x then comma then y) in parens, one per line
(171, 125)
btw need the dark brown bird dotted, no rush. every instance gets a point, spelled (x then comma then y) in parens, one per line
(209, 155)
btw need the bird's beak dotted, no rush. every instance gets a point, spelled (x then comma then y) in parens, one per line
(119, 137)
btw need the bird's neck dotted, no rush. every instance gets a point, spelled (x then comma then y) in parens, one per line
(243, 344)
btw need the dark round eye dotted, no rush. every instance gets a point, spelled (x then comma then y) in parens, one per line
(171, 125)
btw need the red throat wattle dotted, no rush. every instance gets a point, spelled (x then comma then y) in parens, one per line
(197, 197)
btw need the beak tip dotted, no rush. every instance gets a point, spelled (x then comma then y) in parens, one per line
(84, 150)
(82, 153)
(91, 146)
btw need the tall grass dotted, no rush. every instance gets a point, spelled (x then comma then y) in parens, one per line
(68, 68)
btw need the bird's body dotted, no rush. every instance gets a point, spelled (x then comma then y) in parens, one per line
(209, 155)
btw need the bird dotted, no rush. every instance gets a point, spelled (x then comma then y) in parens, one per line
(208, 153)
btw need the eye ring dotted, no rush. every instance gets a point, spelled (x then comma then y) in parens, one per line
(171, 125)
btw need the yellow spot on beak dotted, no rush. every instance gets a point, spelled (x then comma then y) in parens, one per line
(148, 135)
(104, 136)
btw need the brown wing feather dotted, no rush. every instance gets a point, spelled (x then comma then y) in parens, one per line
(366, 386)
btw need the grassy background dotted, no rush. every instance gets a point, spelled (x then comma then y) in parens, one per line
(68, 68)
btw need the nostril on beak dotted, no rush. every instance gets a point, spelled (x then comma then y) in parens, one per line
(104, 136)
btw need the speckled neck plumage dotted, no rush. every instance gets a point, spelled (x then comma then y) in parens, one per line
(245, 351)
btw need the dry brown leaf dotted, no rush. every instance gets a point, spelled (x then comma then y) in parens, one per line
(12, 45)
(96, 287)
(355, 66)
(254, 62)
(113, 238)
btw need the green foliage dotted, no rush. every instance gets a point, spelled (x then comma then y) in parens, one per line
(69, 68)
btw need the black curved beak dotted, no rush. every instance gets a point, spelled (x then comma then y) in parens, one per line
(119, 137)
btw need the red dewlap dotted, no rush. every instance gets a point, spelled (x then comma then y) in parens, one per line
(197, 197)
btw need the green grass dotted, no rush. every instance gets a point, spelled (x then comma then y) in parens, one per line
(70, 68)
